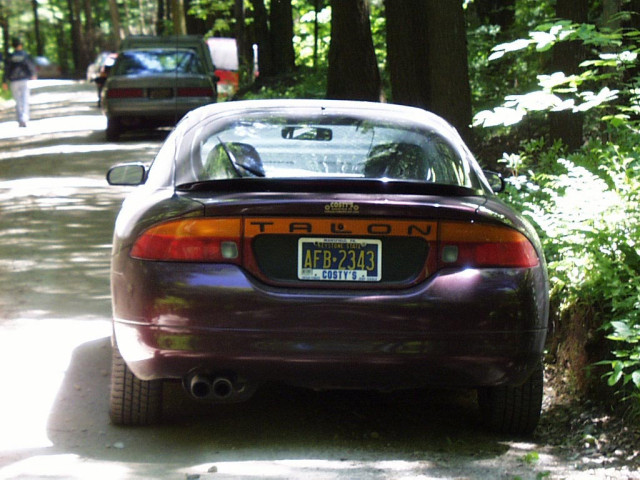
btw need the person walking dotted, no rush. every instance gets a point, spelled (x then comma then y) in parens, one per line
(18, 70)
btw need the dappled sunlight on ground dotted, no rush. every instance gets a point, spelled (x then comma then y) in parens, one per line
(77, 123)
(56, 223)
(35, 355)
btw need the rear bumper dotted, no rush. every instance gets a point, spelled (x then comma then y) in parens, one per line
(145, 108)
(466, 328)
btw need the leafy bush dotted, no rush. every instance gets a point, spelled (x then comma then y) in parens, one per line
(586, 208)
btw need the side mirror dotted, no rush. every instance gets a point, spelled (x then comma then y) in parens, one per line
(127, 174)
(496, 182)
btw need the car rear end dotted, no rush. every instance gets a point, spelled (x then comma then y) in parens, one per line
(445, 298)
(154, 87)
(355, 275)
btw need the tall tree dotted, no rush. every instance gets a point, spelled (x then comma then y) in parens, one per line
(567, 56)
(407, 52)
(179, 22)
(263, 40)
(116, 26)
(427, 57)
(281, 35)
(36, 28)
(4, 25)
(448, 64)
(76, 39)
(245, 50)
(353, 68)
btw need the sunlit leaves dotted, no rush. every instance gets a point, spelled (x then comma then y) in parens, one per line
(516, 107)
(587, 209)
(542, 39)
(598, 86)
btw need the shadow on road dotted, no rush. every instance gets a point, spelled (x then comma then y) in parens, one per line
(279, 423)
(56, 223)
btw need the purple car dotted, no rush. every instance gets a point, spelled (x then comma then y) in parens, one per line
(324, 244)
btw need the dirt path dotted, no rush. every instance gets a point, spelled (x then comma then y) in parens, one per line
(56, 216)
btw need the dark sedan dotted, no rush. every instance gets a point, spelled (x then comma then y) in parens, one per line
(155, 86)
(324, 244)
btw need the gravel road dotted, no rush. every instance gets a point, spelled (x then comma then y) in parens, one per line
(56, 217)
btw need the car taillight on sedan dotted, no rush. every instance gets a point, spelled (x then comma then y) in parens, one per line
(191, 240)
(476, 245)
(195, 92)
(125, 93)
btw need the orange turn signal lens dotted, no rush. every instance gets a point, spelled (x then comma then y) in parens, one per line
(191, 240)
(482, 245)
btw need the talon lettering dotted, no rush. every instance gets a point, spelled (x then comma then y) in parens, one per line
(322, 226)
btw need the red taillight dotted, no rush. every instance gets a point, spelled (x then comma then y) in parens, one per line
(195, 92)
(191, 240)
(481, 245)
(125, 93)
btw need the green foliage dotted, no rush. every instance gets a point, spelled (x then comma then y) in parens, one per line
(221, 10)
(585, 205)
(304, 83)
(587, 210)
(601, 83)
(304, 34)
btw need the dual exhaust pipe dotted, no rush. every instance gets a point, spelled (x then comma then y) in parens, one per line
(204, 387)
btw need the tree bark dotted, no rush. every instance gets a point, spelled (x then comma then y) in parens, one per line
(160, 18)
(36, 28)
(261, 22)
(115, 22)
(4, 24)
(448, 65)
(353, 68)
(179, 22)
(281, 34)
(245, 50)
(427, 57)
(76, 40)
(407, 52)
(566, 57)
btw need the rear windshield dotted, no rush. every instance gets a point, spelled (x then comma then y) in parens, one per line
(154, 61)
(320, 147)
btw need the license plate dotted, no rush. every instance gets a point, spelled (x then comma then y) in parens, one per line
(160, 93)
(340, 259)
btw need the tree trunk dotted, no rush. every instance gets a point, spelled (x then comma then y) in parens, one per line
(316, 10)
(115, 22)
(353, 68)
(36, 28)
(281, 34)
(427, 57)
(610, 18)
(407, 52)
(89, 34)
(245, 51)
(160, 18)
(567, 56)
(265, 57)
(179, 22)
(4, 25)
(75, 33)
(448, 65)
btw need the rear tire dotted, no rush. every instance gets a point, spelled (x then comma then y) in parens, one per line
(113, 129)
(133, 401)
(513, 410)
